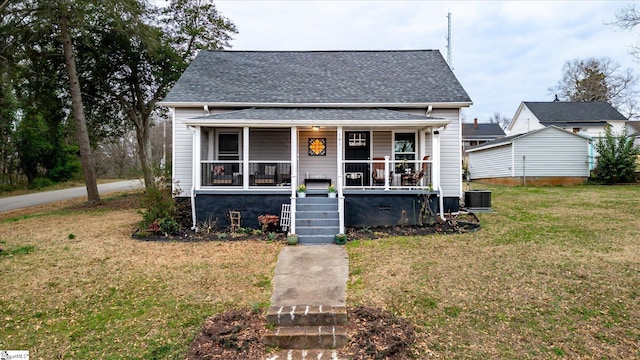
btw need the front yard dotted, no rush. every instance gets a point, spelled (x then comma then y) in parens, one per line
(554, 272)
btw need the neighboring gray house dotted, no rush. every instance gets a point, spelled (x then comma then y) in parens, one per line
(589, 118)
(547, 156)
(475, 133)
(381, 126)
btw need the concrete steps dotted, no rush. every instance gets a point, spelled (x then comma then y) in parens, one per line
(317, 219)
(307, 327)
(307, 315)
(313, 354)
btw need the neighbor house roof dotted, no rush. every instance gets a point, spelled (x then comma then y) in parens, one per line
(573, 113)
(479, 131)
(327, 78)
(510, 139)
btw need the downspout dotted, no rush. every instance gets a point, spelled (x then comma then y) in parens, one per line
(192, 130)
(436, 173)
(294, 178)
(524, 171)
(340, 179)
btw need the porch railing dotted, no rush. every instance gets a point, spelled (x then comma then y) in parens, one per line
(408, 174)
(221, 173)
(270, 173)
(231, 173)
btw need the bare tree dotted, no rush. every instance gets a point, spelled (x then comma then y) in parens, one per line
(501, 120)
(627, 18)
(594, 79)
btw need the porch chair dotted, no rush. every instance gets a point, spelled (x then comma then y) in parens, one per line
(415, 178)
(267, 176)
(378, 172)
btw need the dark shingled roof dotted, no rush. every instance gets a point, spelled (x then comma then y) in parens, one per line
(574, 113)
(482, 131)
(315, 114)
(294, 77)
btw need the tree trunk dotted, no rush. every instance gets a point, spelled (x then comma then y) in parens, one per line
(144, 154)
(78, 112)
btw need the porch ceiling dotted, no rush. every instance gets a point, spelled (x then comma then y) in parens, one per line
(309, 116)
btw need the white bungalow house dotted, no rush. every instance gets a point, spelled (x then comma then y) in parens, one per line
(383, 127)
(587, 118)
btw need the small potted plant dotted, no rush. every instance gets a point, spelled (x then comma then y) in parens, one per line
(341, 239)
(292, 239)
(332, 192)
(302, 191)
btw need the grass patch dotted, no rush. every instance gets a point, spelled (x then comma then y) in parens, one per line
(100, 294)
(554, 272)
(18, 250)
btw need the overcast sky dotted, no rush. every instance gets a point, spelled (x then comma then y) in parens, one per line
(504, 52)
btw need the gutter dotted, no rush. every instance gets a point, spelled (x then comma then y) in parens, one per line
(200, 104)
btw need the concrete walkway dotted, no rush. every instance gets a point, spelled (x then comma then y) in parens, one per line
(308, 304)
(311, 275)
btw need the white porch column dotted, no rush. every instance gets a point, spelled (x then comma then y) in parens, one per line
(197, 166)
(386, 172)
(294, 177)
(435, 137)
(245, 157)
(340, 179)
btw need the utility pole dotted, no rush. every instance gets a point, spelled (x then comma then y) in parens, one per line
(449, 56)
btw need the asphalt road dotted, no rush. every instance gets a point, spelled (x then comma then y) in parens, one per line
(25, 201)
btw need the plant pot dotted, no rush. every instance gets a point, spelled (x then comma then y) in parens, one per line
(340, 239)
(292, 239)
(301, 194)
(332, 194)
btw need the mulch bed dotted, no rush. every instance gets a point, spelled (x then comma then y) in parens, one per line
(453, 224)
(373, 334)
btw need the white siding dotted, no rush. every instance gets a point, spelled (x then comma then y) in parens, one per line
(524, 122)
(450, 153)
(551, 152)
(183, 149)
(382, 144)
(317, 165)
(270, 144)
(490, 163)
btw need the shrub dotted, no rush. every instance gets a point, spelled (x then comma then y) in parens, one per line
(616, 162)
(157, 204)
(41, 182)
(168, 226)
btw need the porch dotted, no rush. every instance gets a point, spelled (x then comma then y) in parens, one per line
(378, 173)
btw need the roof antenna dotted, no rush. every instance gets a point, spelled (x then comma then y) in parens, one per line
(556, 99)
(449, 56)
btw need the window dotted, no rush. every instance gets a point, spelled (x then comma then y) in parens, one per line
(228, 146)
(357, 139)
(404, 147)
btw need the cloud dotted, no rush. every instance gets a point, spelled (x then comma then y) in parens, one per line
(504, 52)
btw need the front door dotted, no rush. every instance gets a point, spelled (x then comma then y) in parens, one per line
(357, 147)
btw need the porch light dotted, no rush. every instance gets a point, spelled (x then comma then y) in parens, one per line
(315, 128)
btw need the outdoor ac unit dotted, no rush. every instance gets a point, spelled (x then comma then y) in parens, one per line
(477, 199)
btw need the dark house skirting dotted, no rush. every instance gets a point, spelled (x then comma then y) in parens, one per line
(389, 210)
(364, 209)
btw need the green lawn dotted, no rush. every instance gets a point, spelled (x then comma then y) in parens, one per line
(554, 272)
